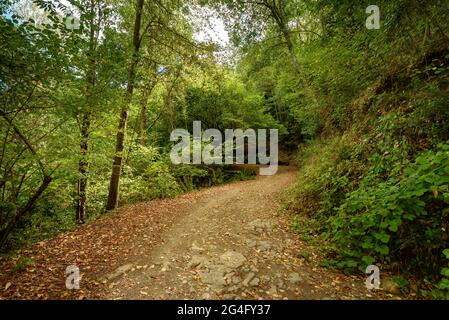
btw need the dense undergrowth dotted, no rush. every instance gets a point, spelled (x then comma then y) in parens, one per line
(375, 182)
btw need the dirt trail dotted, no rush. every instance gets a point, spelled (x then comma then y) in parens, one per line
(225, 242)
(231, 244)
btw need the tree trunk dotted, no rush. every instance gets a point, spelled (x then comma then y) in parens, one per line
(277, 11)
(287, 36)
(143, 124)
(120, 140)
(83, 165)
(25, 210)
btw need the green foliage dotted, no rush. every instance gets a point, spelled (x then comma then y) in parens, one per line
(191, 176)
(390, 210)
(442, 291)
(399, 219)
(229, 104)
(374, 159)
(329, 171)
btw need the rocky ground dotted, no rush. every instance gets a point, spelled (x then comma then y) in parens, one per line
(233, 244)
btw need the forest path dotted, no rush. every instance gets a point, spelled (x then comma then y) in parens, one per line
(225, 242)
(232, 244)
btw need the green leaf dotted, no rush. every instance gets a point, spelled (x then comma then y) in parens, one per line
(394, 225)
(368, 260)
(383, 249)
(445, 272)
(444, 284)
(446, 253)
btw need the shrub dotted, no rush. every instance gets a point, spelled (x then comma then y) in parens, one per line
(402, 219)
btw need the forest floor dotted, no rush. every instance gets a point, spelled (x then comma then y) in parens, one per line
(226, 242)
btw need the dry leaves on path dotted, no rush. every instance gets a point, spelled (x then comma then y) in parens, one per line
(96, 248)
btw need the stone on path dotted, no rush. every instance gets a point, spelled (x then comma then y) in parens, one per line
(248, 278)
(197, 261)
(119, 271)
(213, 278)
(294, 278)
(232, 259)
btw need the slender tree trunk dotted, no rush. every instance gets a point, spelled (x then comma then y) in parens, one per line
(287, 36)
(83, 168)
(143, 125)
(120, 140)
(168, 107)
(28, 206)
(25, 210)
(278, 14)
(83, 165)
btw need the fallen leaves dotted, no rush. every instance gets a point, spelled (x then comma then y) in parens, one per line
(96, 248)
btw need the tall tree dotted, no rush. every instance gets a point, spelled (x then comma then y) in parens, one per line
(85, 119)
(113, 195)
